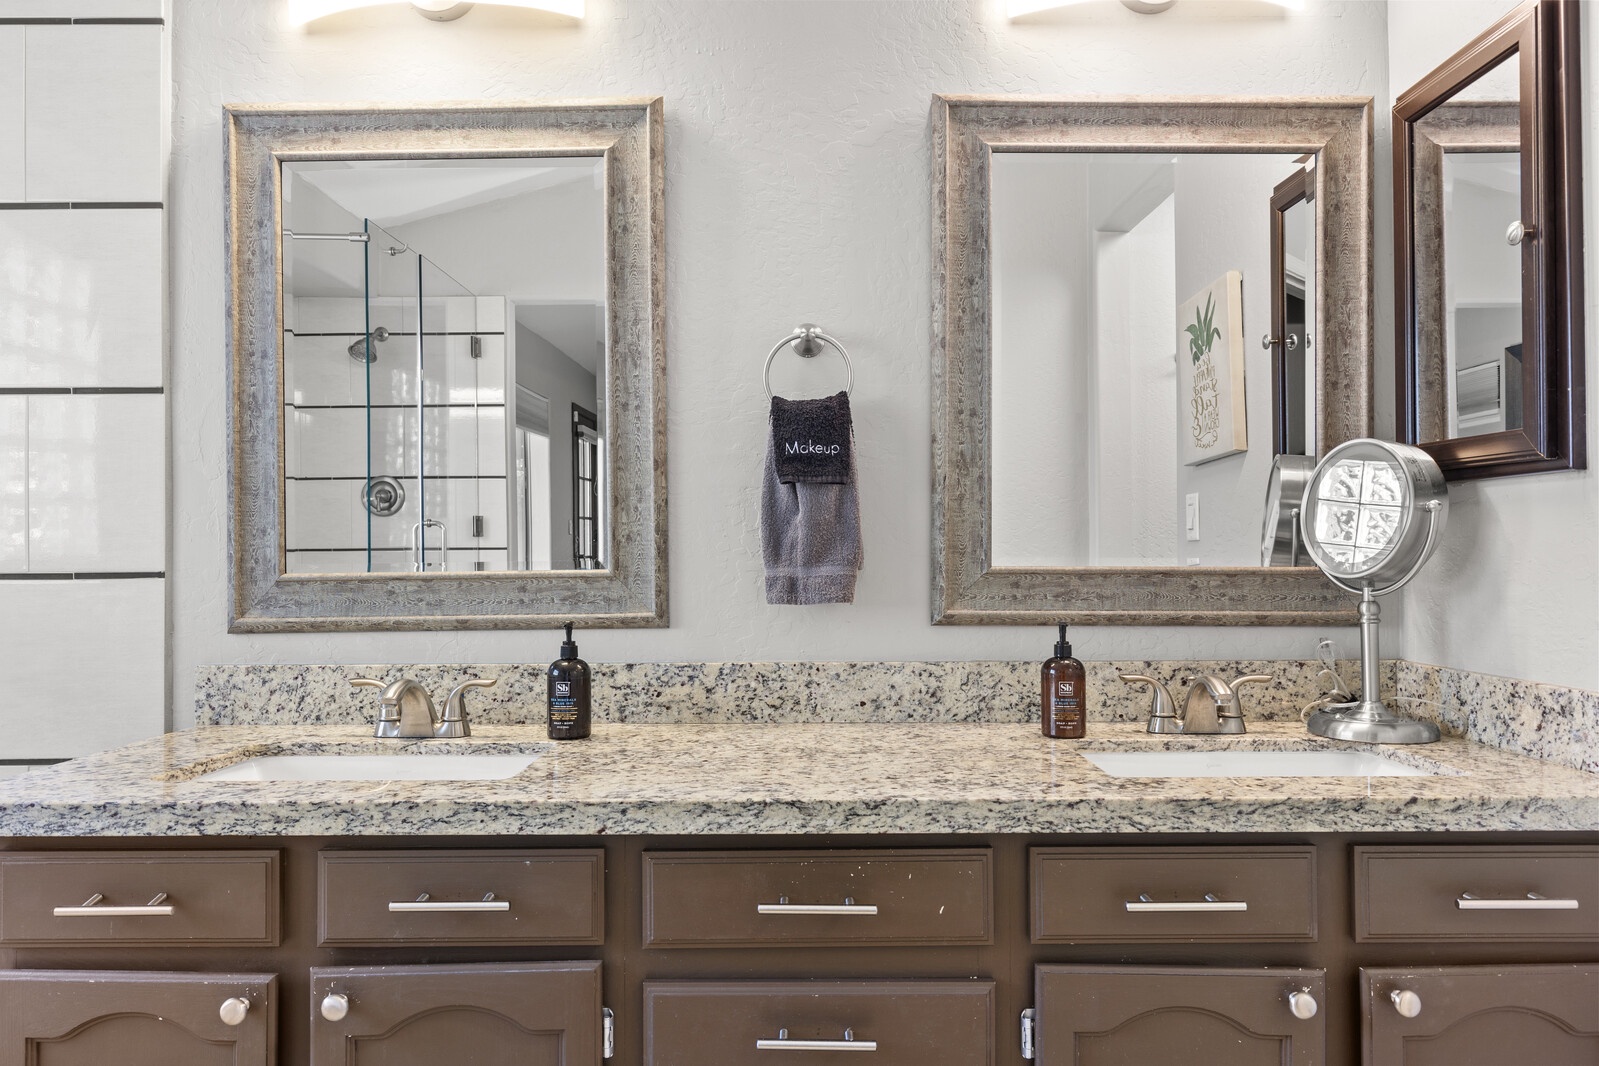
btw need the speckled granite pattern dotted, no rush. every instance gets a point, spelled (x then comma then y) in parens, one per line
(707, 693)
(1544, 721)
(783, 779)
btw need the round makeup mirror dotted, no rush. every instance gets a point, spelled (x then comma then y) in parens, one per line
(1370, 518)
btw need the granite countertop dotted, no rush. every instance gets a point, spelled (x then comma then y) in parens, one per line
(783, 779)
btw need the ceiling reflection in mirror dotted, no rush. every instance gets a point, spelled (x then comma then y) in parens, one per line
(444, 365)
(1468, 196)
(1133, 355)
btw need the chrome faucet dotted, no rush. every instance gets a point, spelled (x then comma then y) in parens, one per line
(406, 711)
(1212, 705)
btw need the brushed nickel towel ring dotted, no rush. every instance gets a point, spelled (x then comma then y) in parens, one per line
(808, 341)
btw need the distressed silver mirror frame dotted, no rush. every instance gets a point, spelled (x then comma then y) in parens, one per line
(627, 133)
(966, 131)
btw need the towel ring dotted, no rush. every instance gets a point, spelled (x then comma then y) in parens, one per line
(808, 341)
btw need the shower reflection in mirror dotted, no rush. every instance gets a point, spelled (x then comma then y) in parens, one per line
(444, 364)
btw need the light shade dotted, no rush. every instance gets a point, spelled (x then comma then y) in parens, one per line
(303, 11)
(1018, 8)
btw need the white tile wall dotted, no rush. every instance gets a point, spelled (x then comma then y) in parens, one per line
(13, 120)
(13, 484)
(95, 105)
(331, 442)
(97, 483)
(329, 514)
(81, 9)
(343, 314)
(81, 299)
(85, 665)
(318, 370)
(82, 476)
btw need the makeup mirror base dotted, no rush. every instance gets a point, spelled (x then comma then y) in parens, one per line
(1369, 722)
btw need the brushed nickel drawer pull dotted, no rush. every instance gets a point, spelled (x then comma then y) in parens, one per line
(91, 908)
(783, 906)
(1531, 902)
(422, 904)
(1144, 905)
(783, 1043)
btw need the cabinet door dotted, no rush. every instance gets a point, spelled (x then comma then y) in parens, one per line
(91, 1018)
(1153, 1016)
(1481, 1016)
(496, 1014)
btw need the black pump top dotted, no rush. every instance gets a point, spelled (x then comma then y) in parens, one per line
(1063, 650)
(569, 648)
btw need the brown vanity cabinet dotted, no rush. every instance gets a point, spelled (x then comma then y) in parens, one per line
(139, 898)
(833, 898)
(491, 1014)
(1481, 1016)
(1141, 895)
(131, 1018)
(902, 1023)
(1114, 1015)
(460, 897)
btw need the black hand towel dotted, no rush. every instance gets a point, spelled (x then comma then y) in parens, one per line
(811, 439)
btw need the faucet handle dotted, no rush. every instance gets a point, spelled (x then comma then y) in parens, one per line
(1240, 682)
(454, 724)
(385, 713)
(1162, 711)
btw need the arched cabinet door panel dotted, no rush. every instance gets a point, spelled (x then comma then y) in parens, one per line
(135, 1018)
(1481, 1015)
(491, 1014)
(1158, 1016)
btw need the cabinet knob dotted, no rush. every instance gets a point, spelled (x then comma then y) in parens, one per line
(335, 1006)
(1519, 232)
(1406, 1002)
(233, 1010)
(1303, 1004)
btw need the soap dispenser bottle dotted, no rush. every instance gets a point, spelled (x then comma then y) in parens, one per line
(1065, 694)
(569, 693)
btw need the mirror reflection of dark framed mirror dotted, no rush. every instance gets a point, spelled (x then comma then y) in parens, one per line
(1488, 245)
(1293, 312)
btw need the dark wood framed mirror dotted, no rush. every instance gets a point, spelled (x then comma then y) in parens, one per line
(1488, 248)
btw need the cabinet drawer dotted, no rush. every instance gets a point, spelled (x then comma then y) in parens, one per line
(1477, 893)
(1126, 895)
(154, 898)
(911, 1023)
(818, 898)
(374, 898)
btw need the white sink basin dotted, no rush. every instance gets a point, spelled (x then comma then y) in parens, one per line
(1249, 764)
(374, 768)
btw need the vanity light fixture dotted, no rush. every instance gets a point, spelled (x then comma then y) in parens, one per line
(303, 11)
(1370, 518)
(1018, 8)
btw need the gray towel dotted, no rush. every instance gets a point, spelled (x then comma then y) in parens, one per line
(810, 537)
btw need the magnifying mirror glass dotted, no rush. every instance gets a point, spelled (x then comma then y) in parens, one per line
(1370, 518)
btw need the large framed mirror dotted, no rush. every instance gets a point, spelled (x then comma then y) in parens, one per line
(447, 366)
(1488, 242)
(1105, 421)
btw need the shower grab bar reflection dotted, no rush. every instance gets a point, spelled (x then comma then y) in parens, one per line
(358, 238)
(419, 548)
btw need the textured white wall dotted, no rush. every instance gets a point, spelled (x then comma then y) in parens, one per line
(797, 189)
(1514, 589)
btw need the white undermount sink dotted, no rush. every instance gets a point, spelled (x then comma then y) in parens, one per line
(374, 768)
(1249, 764)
